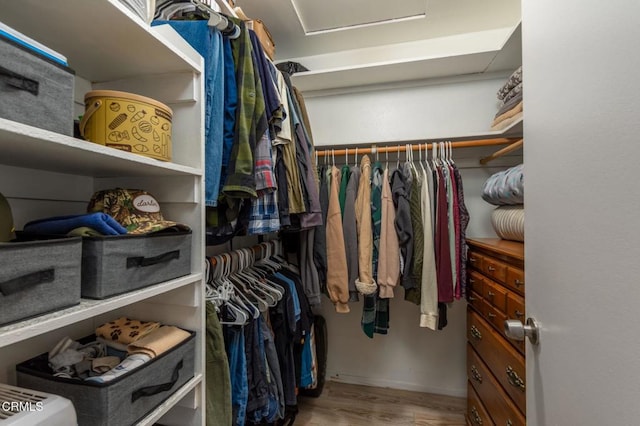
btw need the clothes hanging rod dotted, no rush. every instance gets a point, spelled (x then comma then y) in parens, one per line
(218, 20)
(507, 149)
(322, 152)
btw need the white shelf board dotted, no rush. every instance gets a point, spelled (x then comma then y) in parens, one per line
(170, 402)
(30, 147)
(473, 53)
(88, 308)
(105, 42)
(393, 71)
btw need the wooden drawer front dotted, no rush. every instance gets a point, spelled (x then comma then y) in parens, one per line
(475, 282)
(515, 280)
(499, 406)
(475, 260)
(494, 316)
(494, 269)
(496, 295)
(515, 307)
(475, 288)
(506, 364)
(515, 310)
(476, 413)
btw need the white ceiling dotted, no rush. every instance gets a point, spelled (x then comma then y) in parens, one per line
(316, 17)
(303, 28)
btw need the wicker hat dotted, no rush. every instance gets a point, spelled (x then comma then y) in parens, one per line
(135, 209)
(6, 221)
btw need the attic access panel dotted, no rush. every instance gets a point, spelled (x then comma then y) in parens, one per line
(317, 17)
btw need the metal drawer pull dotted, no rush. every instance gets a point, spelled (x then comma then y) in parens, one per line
(518, 283)
(518, 313)
(472, 299)
(514, 379)
(490, 294)
(491, 268)
(475, 374)
(490, 315)
(472, 281)
(472, 259)
(476, 333)
(509, 422)
(475, 416)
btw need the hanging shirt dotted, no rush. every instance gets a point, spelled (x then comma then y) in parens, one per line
(456, 246)
(337, 274)
(350, 231)
(251, 122)
(345, 173)
(320, 240)
(429, 280)
(442, 245)
(389, 256)
(413, 294)
(401, 187)
(464, 222)
(208, 42)
(451, 229)
(364, 283)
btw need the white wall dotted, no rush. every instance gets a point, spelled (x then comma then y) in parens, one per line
(441, 108)
(409, 357)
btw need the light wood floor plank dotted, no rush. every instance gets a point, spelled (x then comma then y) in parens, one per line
(353, 405)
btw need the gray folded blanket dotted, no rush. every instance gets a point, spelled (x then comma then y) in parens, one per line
(514, 79)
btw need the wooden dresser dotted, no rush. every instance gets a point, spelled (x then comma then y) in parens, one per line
(495, 364)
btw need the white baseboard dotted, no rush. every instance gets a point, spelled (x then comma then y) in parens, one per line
(392, 384)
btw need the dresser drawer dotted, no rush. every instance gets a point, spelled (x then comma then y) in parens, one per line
(495, 294)
(493, 315)
(494, 269)
(515, 307)
(515, 311)
(504, 361)
(476, 413)
(475, 260)
(474, 290)
(487, 389)
(515, 279)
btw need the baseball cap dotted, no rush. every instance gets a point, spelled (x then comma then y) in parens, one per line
(135, 209)
(6, 221)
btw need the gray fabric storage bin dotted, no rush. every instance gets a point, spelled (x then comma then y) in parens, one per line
(126, 399)
(34, 89)
(113, 265)
(37, 277)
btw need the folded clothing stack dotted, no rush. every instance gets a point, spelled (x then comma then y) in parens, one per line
(505, 189)
(120, 346)
(510, 95)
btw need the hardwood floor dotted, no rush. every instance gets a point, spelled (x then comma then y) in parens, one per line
(342, 404)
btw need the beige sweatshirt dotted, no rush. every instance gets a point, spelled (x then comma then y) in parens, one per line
(365, 283)
(389, 257)
(337, 274)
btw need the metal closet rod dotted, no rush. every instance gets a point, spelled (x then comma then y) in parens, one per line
(415, 147)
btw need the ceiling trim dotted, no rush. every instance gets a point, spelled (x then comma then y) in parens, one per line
(308, 32)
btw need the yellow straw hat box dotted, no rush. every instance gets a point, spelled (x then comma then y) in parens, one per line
(128, 122)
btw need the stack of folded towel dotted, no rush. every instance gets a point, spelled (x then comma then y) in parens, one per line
(510, 96)
(505, 189)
